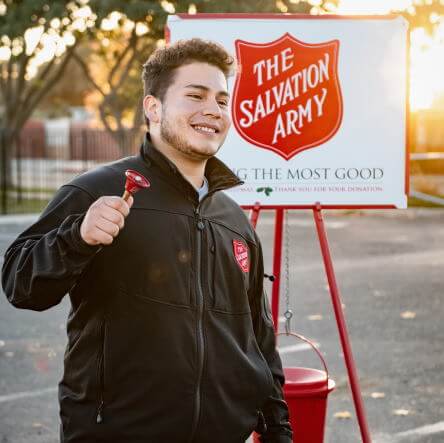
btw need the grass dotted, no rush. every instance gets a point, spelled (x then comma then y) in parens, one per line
(417, 203)
(30, 205)
(25, 206)
(32, 190)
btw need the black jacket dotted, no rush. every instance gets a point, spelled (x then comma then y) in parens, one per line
(170, 336)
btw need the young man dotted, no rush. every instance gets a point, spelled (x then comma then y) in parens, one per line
(170, 334)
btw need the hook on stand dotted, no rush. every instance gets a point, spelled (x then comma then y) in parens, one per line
(288, 314)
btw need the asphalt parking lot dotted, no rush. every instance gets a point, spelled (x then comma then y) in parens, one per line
(389, 266)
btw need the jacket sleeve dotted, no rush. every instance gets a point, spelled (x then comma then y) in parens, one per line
(43, 263)
(277, 428)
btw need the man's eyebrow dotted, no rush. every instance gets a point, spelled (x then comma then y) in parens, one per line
(206, 89)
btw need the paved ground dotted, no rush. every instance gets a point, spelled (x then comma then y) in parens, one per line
(389, 268)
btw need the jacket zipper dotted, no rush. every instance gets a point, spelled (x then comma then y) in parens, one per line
(101, 376)
(200, 336)
(200, 311)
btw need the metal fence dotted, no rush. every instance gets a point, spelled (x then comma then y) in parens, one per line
(36, 164)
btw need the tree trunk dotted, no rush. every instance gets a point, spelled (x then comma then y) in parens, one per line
(7, 139)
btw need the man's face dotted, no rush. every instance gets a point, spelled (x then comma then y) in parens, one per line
(195, 113)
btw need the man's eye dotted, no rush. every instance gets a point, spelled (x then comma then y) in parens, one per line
(196, 96)
(223, 103)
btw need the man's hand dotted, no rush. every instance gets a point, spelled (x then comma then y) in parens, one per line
(104, 220)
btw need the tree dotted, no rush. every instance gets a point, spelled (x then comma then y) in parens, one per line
(111, 63)
(128, 36)
(125, 35)
(37, 40)
(66, 93)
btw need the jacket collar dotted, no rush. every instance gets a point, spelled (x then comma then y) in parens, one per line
(218, 174)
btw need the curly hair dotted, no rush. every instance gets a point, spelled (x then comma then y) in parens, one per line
(159, 69)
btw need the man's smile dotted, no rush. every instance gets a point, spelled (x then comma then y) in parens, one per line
(205, 128)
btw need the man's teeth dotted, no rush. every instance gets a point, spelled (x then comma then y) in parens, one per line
(204, 128)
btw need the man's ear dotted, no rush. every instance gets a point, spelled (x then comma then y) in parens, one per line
(152, 107)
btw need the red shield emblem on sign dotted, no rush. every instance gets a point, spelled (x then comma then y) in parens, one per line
(287, 96)
(241, 255)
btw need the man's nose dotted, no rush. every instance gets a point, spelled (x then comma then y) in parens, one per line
(212, 108)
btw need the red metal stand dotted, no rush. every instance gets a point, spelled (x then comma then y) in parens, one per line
(335, 297)
(255, 214)
(342, 327)
(277, 260)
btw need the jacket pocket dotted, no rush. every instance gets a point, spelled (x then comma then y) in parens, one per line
(264, 362)
(229, 272)
(156, 257)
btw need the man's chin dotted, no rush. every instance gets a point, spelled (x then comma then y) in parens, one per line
(202, 153)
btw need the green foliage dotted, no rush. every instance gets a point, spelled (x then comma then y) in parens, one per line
(257, 6)
(266, 190)
(24, 14)
(135, 10)
(23, 83)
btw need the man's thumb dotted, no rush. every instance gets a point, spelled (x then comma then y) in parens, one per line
(130, 201)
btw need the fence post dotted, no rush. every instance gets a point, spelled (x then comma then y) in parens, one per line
(17, 145)
(84, 150)
(3, 172)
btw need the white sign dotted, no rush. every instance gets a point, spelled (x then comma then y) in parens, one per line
(319, 107)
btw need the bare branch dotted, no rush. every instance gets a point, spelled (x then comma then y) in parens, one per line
(87, 73)
(49, 82)
(116, 114)
(20, 82)
(103, 117)
(126, 71)
(119, 134)
(2, 82)
(8, 84)
(138, 114)
(17, 95)
(131, 44)
(35, 86)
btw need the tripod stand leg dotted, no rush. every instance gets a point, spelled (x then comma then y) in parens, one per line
(277, 260)
(342, 327)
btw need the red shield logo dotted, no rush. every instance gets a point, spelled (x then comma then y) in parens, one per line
(287, 96)
(241, 255)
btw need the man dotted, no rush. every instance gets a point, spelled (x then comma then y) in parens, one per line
(170, 334)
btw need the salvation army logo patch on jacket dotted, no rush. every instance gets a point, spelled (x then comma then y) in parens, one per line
(287, 96)
(241, 255)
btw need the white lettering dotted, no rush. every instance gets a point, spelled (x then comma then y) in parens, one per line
(304, 112)
(273, 67)
(278, 129)
(320, 102)
(292, 117)
(323, 67)
(260, 110)
(287, 55)
(288, 94)
(278, 95)
(313, 76)
(245, 104)
(258, 69)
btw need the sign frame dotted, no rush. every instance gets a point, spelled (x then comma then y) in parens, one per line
(263, 204)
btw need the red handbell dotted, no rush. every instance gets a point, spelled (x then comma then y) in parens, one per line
(134, 182)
